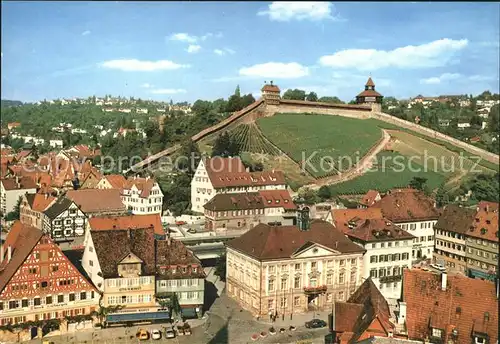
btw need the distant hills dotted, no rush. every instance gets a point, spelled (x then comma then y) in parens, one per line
(9, 103)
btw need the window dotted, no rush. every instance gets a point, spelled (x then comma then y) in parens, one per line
(329, 279)
(71, 297)
(270, 304)
(283, 302)
(48, 300)
(436, 332)
(270, 285)
(271, 269)
(389, 244)
(373, 273)
(342, 262)
(382, 244)
(353, 276)
(313, 282)
(381, 272)
(83, 295)
(373, 259)
(296, 301)
(341, 277)
(24, 303)
(60, 298)
(353, 261)
(55, 268)
(313, 265)
(296, 282)
(341, 296)
(297, 266)
(283, 284)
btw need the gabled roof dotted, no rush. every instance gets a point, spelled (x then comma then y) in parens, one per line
(112, 246)
(18, 183)
(369, 198)
(97, 200)
(39, 202)
(407, 205)
(455, 219)
(270, 88)
(372, 230)
(127, 221)
(251, 200)
(22, 239)
(365, 306)
(369, 93)
(341, 217)
(264, 242)
(485, 225)
(60, 205)
(117, 181)
(370, 82)
(467, 305)
(175, 253)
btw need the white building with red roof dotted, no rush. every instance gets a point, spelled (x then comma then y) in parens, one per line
(229, 175)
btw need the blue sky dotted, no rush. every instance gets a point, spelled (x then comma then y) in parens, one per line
(187, 51)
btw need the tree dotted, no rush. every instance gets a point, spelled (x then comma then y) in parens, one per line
(493, 119)
(175, 307)
(332, 100)
(295, 94)
(324, 193)
(103, 311)
(15, 213)
(220, 267)
(308, 196)
(312, 97)
(418, 183)
(476, 121)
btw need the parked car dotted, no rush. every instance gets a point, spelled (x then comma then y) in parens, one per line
(142, 334)
(156, 334)
(439, 267)
(316, 323)
(169, 333)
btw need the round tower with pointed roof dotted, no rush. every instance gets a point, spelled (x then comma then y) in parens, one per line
(370, 97)
(271, 93)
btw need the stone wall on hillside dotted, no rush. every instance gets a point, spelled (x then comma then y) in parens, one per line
(435, 134)
(286, 108)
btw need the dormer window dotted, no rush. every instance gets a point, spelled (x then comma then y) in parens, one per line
(184, 270)
(436, 332)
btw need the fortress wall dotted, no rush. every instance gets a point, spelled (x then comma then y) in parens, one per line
(435, 134)
(286, 108)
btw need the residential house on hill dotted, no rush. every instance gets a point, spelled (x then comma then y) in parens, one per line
(11, 189)
(124, 271)
(369, 199)
(414, 212)
(365, 314)
(442, 308)
(246, 210)
(286, 269)
(179, 271)
(388, 247)
(229, 175)
(38, 282)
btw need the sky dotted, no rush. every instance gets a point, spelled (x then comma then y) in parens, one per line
(202, 50)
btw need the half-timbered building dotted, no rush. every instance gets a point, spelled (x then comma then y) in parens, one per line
(38, 282)
(65, 222)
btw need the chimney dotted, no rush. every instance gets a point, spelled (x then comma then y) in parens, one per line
(17, 180)
(46, 195)
(444, 281)
(402, 313)
(9, 253)
(1, 254)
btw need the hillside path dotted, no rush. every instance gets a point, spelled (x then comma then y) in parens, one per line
(358, 170)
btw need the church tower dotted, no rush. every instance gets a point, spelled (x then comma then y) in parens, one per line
(370, 97)
(271, 94)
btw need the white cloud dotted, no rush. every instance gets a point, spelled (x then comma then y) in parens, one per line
(481, 78)
(288, 10)
(193, 48)
(146, 85)
(439, 79)
(209, 35)
(276, 70)
(433, 54)
(86, 32)
(183, 37)
(168, 91)
(133, 65)
(224, 51)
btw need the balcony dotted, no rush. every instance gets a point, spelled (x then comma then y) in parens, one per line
(315, 290)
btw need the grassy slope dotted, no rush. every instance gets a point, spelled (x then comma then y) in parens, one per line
(300, 135)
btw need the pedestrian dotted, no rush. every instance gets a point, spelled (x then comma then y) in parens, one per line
(270, 316)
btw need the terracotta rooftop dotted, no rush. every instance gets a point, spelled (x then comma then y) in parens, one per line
(39, 202)
(265, 242)
(22, 239)
(144, 185)
(341, 217)
(172, 256)
(18, 183)
(467, 305)
(112, 246)
(369, 93)
(127, 221)
(270, 88)
(251, 200)
(485, 223)
(455, 219)
(370, 82)
(407, 205)
(117, 181)
(369, 198)
(371, 230)
(356, 316)
(97, 200)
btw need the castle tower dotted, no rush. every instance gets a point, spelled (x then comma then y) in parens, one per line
(370, 97)
(271, 94)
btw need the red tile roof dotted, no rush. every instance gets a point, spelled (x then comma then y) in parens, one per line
(370, 82)
(369, 93)
(265, 242)
(144, 185)
(407, 205)
(369, 199)
(173, 253)
(97, 200)
(341, 217)
(39, 202)
(117, 181)
(251, 200)
(18, 183)
(371, 230)
(468, 305)
(270, 88)
(127, 221)
(485, 224)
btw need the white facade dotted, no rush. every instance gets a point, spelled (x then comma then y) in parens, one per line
(138, 205)
(203, 191)
(423, 244)
(90, 262)
(383, 261)
(9, 198)
(56, 143)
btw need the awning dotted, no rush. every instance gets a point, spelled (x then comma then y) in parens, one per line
(134, 317)
(189, 312)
